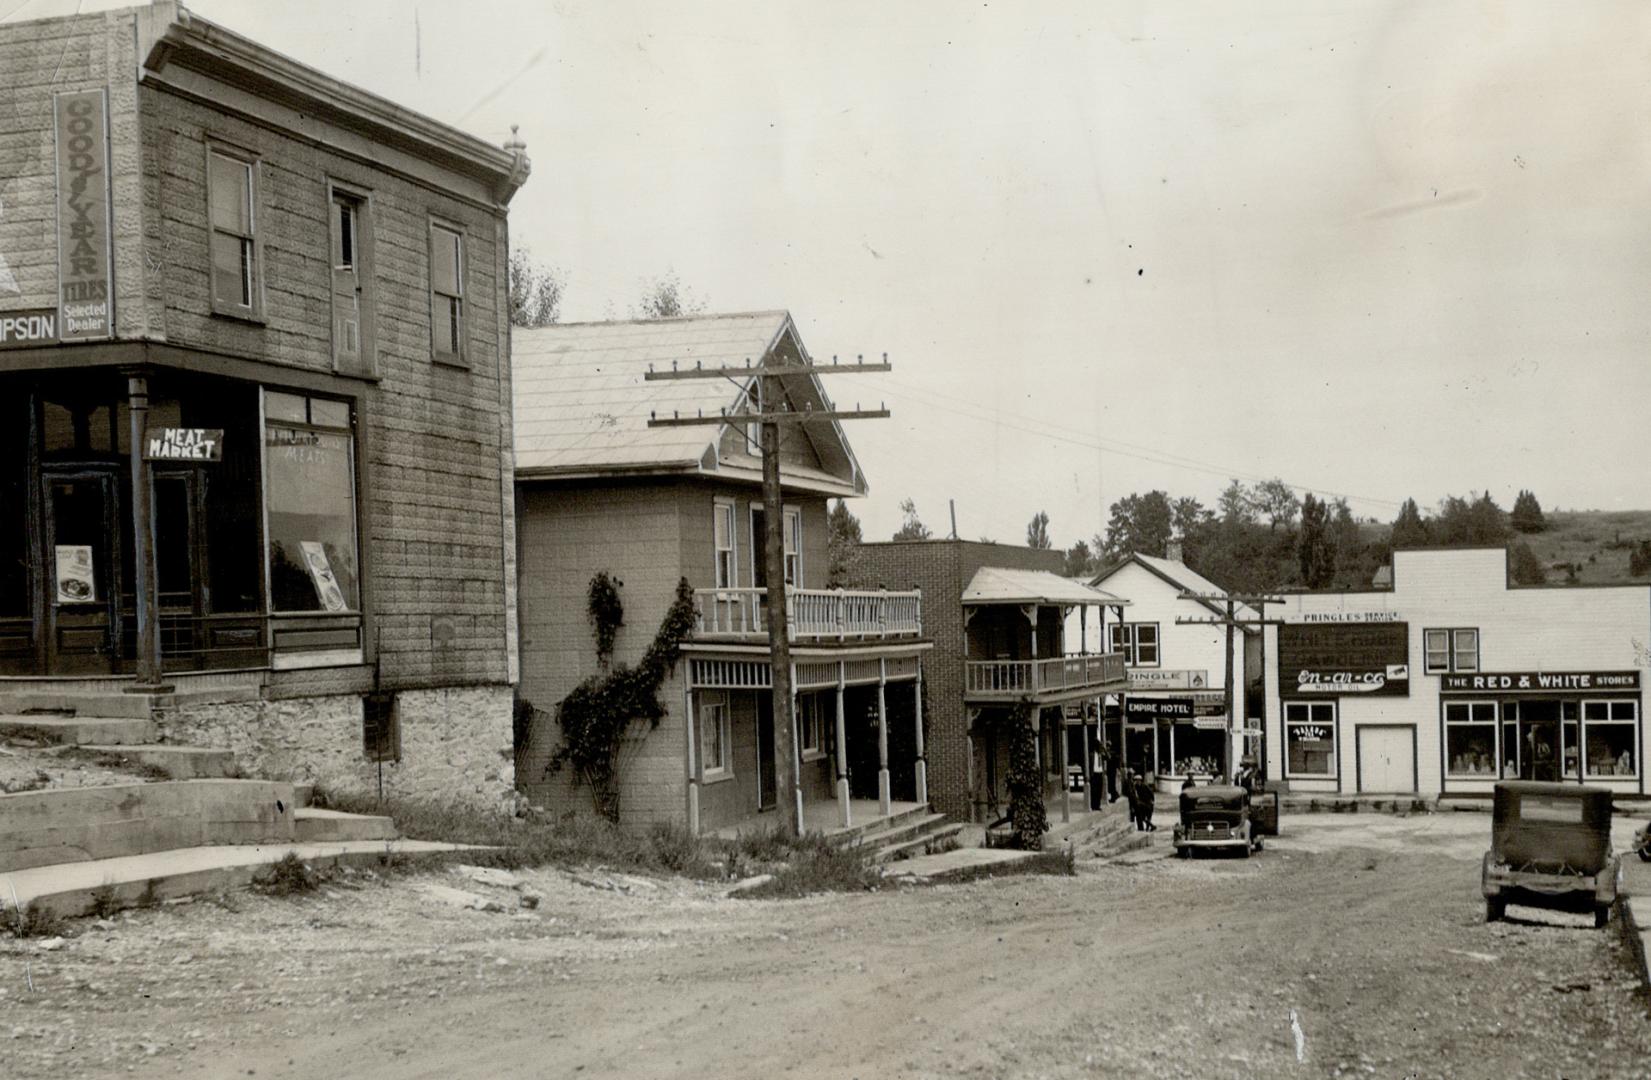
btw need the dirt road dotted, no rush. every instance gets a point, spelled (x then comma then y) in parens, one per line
(1367, 931)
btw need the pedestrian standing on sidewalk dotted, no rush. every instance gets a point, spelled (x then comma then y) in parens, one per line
(1143, 804)
(1134, 803)
(1097, 766)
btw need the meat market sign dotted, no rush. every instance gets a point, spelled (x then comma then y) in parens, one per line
(1538, 682)
(1344, 658)
(183, 444)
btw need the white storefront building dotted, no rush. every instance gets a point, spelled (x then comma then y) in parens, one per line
(1172, 722)
(1454, 679)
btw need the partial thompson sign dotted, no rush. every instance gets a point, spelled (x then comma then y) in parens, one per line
(25, 329)
(1538, 682)
(85, 293)
(1344, 658)
(1168, 679)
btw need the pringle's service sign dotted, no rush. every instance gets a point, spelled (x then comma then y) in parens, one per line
(1344, 659)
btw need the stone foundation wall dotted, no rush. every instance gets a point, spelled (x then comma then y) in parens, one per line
(455, 742)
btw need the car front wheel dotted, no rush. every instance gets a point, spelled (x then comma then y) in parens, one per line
(1494, 909)
(1602, 916)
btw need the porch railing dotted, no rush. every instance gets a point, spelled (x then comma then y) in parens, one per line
(811, 614)
(1022, 678)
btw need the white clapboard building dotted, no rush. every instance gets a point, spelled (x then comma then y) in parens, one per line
(1454, 678)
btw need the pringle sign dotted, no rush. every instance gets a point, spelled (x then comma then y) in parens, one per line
(85, 302)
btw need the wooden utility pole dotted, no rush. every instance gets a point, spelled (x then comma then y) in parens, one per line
(774, 412)
(1232, 622)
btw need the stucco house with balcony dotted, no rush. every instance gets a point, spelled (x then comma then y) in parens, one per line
(598, 490)
(1008, 629)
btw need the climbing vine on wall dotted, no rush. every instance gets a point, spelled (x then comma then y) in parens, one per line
(1027, 815)
(598, 715)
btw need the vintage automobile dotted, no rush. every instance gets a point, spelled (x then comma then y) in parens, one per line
(1550, 847)
(1215, 816)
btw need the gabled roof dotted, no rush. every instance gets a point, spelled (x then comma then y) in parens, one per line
(1000, 585)
(1182, 577)
(582, 403)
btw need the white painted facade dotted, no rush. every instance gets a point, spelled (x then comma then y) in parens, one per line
(1468, 718)
(1189, 661)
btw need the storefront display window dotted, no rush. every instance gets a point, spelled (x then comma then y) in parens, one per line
(1510, 739)
(1571, 731)
(1470, 739)
(1198, 751)
(309, 468)
(1608, 737)
(1310, 739)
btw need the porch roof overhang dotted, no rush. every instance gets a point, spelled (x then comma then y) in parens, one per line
(857, 650)
(1042, 699)
(1001, 585)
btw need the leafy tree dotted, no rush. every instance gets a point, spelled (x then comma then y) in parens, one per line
(1037, 532)
(1139, 523)
(843, 538)
(665, 297)
(1080, 562)
(1314, 548)
(911, 528)
(1278, 502)
(1187, 516)
(1355, 563)
(1639, 559)
(1527, 514)
(1409, 530)
(1524, 566)
(535, 290)
(1469, 522)
(1237, 504)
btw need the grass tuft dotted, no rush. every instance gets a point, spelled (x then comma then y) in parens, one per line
(291, 876)
(816, 866)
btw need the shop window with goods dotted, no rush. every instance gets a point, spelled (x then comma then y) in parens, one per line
(1310, 739)
(1608, 731)
(310, 467)
(1470, 739)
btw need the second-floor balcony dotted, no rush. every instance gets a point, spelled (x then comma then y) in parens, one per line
(1058, 677)
(812, 615)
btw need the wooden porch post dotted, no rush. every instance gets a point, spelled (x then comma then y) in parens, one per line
(693, 770)
(796, 751)
(922, 752)
(148, 667)
(882, 739)
(842, 754)
(1066, 783)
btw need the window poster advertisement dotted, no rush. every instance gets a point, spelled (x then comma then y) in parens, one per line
(76, 583)
(326, 584)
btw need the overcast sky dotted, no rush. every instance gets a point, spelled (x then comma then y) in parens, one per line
(1379, 249)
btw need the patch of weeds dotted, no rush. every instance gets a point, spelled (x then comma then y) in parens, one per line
(104, 902)
(769, 845)
(31, 922)
(40, 780)
(540, 839)
(114, 762)
(818, 867)
(291, 876)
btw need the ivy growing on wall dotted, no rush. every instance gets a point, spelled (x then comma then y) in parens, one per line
(599, 714)
(1027, 815)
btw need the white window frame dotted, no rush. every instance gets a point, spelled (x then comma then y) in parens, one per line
(791, 557)
(1126, 638)
(360, 264)
(1478, 714)
(792, 541)
(1451, 651)
(730, 579)
(714, 710)
(252, 278)
(1613, 707)
(810, 726)
(1307, 711)
(441, 323)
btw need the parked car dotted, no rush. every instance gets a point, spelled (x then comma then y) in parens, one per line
(1215, 816)
(1550, 847)
(1642, 842)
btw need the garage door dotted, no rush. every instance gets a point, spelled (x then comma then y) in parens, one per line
(1387, 759)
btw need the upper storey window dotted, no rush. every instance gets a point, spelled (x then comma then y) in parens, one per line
(447, 294)
(232, 188)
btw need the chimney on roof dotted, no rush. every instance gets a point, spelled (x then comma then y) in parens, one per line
(1172, 551)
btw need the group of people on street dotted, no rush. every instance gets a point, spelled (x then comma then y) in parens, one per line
(1103, 782)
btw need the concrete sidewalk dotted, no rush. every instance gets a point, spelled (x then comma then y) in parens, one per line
(67, 889)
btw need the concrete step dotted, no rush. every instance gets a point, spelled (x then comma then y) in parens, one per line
(66, 825)
(302, 795)
(178, 762)
(79, 702)
(922, 844)
(902, 829)
(1125, 842)
(329, 826)
(78, 730)
(71, 890)
(856, 834)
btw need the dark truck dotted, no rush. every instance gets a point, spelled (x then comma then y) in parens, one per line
(1216, 816)
(1550, 847)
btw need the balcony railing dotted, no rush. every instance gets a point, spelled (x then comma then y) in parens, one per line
(1011, 679)
(811, 614)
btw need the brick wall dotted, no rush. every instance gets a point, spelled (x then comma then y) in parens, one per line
(942, 569)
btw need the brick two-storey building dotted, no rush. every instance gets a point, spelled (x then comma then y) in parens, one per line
(254, 403)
